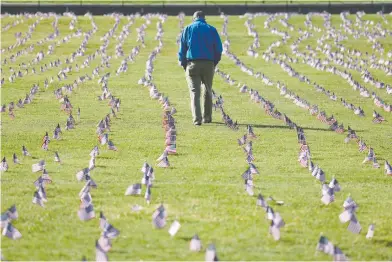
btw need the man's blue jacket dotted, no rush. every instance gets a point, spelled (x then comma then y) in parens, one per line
(200, 41)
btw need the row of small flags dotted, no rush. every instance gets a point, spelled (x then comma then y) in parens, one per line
(331, 121)
(333, 184)
(300, 102)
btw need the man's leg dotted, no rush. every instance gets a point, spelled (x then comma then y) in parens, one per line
(207, 77)
(194, 82)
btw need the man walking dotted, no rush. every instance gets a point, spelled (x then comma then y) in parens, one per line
(200, 51)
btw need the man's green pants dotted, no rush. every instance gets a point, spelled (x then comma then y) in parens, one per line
(200, 72)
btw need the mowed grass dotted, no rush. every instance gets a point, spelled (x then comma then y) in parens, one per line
(203, 188)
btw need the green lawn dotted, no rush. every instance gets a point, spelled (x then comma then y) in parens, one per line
(203, 188)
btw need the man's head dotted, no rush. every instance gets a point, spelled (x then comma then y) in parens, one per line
(198, 15)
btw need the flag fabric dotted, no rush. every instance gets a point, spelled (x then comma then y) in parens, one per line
(253, 169)
(338, 255)
(135, 189)
(370, 156)
(4, 165)
(37, 199)
(159, 217)
(328, 195)
(164, 155)
(94, 152)
(147, 195)
(25, 152)
(249, 187)
(388, 168)
(211, 254)
(83, 174)
(270, 213)
(105, 243)
(274, 231)
(15, 159)
(354, 225)
(334, 184)
(175, 226)
(39, 166)
(100, 254)
(195, 244)
(164, 163)
(57, 157)
(325, 246)
(349, 203)
(111, 146)
(11, 232)
(86, 213)
(261, 202)
(370, 232)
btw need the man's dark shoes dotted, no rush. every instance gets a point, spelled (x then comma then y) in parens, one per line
(197, 124)
(206, 121)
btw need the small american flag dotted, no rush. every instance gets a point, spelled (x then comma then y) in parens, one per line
(11, 232)
(338, 255)
(147, 195)
(375, 163)
(25, 152)
(370, 232)
(388, 168)
(37, 199)
(164, 163)
(86, 213)
(270, 213)
(211, 253)
(249, 187)
(164, 154)
(354, 225)
(247, 175)
(195, 244)
(145, 167)
(135, 189)
(111, 146)
(334, 184)
(159, 217)
(105, 243)
(325, 246)
(4, 165)
(57, 157)
(253, 169)
(100, 254)
(261, 202)
(274, 231)
(15, 159)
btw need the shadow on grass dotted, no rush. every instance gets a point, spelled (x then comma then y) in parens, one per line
(387, 243)
(281, 126)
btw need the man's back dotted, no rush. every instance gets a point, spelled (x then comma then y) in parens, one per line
(200, 41)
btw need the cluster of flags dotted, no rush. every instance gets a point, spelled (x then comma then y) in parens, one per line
(159, 217)
(168, 120)
(218, 104)
(39, 197)
(104, 243)
(276, 220)
(327, 247)
(329, 189)
(7, 228)
(314, 110)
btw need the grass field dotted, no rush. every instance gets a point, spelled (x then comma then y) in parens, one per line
(203, 188)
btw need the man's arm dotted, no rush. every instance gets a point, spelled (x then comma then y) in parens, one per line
(217, 48)
(183, 48)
